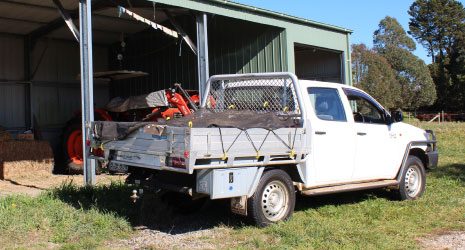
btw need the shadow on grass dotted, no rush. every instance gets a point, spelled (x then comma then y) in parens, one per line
(155, 212)
(152, 212)
(339, 199)
(453, 171)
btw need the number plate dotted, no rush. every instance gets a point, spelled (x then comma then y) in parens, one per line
(116, 167)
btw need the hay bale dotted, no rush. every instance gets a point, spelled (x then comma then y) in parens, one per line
(21, 158)
(4, 135)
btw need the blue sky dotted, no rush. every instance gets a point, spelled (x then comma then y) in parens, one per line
(361, 16)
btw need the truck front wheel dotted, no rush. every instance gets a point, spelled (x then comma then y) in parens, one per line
(274, 199)
(413, 180)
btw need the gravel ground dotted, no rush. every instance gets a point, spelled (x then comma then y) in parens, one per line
(446, 240)
(217, 238)
(201, 239)
(164, 227)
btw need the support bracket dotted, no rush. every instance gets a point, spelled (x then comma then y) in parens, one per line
(67, 18)
(181, 32)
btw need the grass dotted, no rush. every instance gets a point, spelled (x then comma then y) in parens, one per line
(69, 217)
(72, 217)
(373, 220)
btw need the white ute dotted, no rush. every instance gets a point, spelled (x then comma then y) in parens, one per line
(333, 138)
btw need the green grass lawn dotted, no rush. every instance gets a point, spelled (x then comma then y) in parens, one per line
(72, 217)
(373, 220)
(68, 217)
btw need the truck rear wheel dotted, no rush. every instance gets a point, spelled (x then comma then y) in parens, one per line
(413, 180)
(274, 199)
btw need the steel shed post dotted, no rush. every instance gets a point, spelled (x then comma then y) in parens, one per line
(202, 52)
(87, 93)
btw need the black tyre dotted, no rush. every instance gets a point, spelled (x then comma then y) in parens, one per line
(413, 180)
(274, 199)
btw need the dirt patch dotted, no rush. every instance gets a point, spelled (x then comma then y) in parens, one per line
(444, 240)
(34, 184)
(153, 239)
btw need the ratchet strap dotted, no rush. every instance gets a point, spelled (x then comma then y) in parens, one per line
(291, 148)
(257, 150)
(253, 145)
(225, 153)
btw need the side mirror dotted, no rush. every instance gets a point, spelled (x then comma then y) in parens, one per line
(397, 116)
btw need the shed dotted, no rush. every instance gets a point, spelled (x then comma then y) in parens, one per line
(39, 55)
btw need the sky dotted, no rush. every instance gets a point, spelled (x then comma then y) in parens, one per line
(361, 16)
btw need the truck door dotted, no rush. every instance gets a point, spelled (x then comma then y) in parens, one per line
(332, 137)
(374, 157)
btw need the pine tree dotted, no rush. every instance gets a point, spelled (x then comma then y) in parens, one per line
(392, 42)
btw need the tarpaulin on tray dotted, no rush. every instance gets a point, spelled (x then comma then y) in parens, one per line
(152, 100)
(203, 118)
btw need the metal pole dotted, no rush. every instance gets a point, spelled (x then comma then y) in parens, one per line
(349, 62)
(87, 93)
(202, 52)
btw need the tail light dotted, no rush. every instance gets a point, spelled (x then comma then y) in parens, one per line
(97, 152)
(176, 162)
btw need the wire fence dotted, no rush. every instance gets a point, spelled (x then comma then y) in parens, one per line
(436, 116)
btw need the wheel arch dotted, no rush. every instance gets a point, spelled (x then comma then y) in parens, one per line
(291, 170)
(420, 153)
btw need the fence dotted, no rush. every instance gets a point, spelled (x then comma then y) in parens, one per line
(439, 116)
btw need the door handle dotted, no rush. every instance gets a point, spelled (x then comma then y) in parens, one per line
(320, 132)
(361, 133)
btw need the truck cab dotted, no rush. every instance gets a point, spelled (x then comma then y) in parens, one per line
(353, 138)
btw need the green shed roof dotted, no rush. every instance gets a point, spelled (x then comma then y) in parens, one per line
(275, 14)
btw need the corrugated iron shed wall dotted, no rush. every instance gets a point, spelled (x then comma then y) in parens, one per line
(297, 30)
(316, 64)
(11, 58)
(238, 46)
(58, 60)
(166, 61)
(12, 105)
(235, 46)
(55, 90)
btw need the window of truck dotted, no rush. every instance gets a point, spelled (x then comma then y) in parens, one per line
(327, 104)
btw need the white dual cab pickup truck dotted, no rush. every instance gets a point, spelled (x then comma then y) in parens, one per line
(303, 137)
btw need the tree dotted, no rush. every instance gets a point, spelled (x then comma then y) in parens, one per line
(417, 87)
(373, 73)
(450, 77)
(439, 25)
(435, 24)
(391, 33)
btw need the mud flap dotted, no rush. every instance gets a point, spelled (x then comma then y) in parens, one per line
(239, 205)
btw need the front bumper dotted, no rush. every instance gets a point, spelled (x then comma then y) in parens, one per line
(433, 158)
(433, 155)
